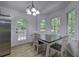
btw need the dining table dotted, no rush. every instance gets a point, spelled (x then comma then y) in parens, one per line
(49, 40)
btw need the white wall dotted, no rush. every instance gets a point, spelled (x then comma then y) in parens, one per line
(77, 6)
(16, 15)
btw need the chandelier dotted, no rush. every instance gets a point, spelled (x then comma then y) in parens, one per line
(31, 10)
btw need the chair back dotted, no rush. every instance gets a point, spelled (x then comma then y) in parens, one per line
(35, 37)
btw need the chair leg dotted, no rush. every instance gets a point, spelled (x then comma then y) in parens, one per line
(65, 53)
(37, 49)
(50, 53)
(33, 46)
(62, 54)
(53, 53)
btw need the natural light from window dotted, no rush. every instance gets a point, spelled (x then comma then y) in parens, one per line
(71, 23)
(55, 23)
(21, 29)
(43, 25)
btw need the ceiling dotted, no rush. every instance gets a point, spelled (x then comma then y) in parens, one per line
(43, 6)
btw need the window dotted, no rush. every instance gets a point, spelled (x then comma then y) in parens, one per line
(21, 24)
(71, 23)
(55, 23)
(42, 25)
(21, 29)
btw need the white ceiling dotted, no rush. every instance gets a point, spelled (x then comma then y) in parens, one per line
(43, 6)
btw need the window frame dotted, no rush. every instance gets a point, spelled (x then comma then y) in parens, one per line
(21, 20)
(54, 25)
(67, 15)
(44, 26)
(21, 33)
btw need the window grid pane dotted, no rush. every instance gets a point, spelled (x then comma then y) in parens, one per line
(55, 22)
(42, 25)
(71, 23)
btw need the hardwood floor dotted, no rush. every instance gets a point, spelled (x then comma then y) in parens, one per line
(25, 50)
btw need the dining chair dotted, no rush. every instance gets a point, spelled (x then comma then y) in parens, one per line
(60, 49)
(37, 44)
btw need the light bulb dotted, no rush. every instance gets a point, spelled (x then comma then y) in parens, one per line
(33, 10)
(29, 13)
(37, 12)
(27, 9)
(34, 14)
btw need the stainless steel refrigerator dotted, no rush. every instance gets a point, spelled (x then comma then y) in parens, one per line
(5, 36)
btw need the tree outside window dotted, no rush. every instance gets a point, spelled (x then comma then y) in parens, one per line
(21, 24)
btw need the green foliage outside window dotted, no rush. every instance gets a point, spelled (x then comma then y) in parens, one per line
(22, 24)
(55, 23)
(71, 22)
(42, 25)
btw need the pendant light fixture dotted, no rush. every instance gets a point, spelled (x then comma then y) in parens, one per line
(31, 10)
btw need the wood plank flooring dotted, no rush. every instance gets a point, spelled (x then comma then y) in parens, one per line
(25, 50)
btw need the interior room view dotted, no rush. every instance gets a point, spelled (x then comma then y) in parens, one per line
(39, 28)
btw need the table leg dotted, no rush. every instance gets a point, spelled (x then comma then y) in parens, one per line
(47, 50)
